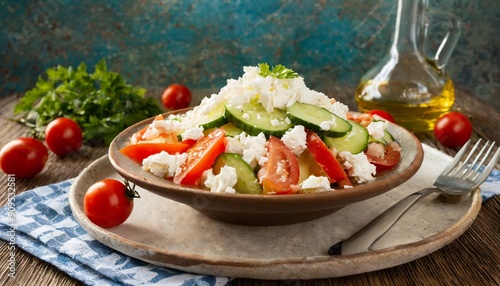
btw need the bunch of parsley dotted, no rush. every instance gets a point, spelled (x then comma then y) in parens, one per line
(102, 103)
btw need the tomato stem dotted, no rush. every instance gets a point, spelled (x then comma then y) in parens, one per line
(130, 192)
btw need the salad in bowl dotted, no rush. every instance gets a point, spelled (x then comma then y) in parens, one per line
(266, 133)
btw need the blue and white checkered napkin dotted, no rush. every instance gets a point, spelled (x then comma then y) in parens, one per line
(45, 227)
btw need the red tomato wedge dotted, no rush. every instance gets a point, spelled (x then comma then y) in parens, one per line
(201, 157)
(141, 151)
(281, 171)
(326, 160)
(391, 159)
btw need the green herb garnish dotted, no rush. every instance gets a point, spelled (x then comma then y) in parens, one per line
(278, 71)
(102, 103)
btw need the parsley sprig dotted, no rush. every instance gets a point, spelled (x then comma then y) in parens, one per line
(102, 103)
(278, 71)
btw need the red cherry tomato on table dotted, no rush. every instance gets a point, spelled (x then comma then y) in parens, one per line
(63, 136)
(176, 96)
(109, 202)
(23, 157)
(281, 171)
(384, 114)
(453, 129)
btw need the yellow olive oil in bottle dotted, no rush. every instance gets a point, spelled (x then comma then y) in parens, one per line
(414, 89)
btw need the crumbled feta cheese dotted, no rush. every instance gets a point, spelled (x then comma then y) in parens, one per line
(319, 184)
(222, 182)
(254, 149)
(313, 97)
(270, 92)
(275, 122)
(327, 125)
(340, 110)
(234, 145)
(163, 164)
(376, 129)
(358, 166)
(376, 149)
(246, 116)
(295, 139)
(194, 133)
(158, 127)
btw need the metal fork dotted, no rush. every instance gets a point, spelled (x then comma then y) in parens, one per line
(458, 178)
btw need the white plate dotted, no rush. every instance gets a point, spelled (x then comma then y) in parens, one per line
(171, 234)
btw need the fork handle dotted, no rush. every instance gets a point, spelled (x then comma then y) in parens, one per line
(363, 239)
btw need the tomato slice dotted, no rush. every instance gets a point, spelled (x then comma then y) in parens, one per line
(141, 151)
(390, 160)
(201, 157)
(326, 160)
(281, 171)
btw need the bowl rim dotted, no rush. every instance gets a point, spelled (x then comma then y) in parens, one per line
(201, 198)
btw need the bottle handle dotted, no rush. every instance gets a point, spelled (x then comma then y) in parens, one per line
(450, 40)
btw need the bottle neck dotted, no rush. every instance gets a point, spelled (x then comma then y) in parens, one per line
(405, 33)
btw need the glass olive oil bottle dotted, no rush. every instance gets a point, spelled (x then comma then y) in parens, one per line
(412, 87)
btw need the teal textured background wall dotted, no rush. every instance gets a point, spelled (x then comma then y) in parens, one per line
(204, 42)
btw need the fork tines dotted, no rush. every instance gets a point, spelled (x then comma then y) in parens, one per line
(472, 170)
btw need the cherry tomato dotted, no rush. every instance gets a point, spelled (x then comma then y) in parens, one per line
(281, 171)
(201, 157)
(453, 129)
(63, 136)
(326, 160)
(109, 202)
(384, 114)
(176, 96)
(391, 158)
(23, 157)
(141, 151)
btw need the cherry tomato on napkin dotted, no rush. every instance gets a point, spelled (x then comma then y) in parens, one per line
(109, 202)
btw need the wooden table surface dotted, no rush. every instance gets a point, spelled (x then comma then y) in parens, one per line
(472, 259)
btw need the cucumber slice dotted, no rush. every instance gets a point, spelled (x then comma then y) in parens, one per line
(214, 118)
(380, 140)
(253, 119)
(355, 141)
(386, 139)
(247, 182)
(312, 116)
(230, 129)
